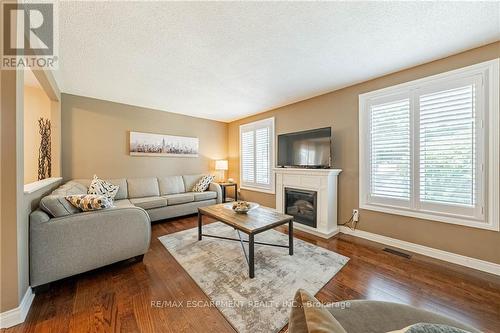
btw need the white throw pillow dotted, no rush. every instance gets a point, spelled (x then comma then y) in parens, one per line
(203, 183)
(104, 188)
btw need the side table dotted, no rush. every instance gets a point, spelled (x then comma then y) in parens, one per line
(224, 186)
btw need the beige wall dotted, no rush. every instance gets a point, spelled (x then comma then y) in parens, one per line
(95, 138)
(8, 198)
(8, 188)
(36, 105)
(339, 109)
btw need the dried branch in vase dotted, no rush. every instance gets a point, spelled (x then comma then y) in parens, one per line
(44, 153)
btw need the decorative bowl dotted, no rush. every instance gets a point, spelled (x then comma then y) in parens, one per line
(241, 207)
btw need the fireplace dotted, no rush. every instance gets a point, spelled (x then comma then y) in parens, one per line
(301, 204)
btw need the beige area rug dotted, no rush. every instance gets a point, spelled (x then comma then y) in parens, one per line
(254, 305)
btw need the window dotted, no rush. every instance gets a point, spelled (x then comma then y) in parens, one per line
(430, 148)
(256, 155)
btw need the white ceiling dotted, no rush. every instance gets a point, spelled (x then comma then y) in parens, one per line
(227, 60)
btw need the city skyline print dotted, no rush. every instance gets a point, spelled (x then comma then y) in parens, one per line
(149, 144)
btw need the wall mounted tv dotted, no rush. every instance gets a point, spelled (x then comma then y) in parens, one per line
(306, 149)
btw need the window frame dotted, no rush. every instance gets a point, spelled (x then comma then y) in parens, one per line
(488, 186)
(263, 123)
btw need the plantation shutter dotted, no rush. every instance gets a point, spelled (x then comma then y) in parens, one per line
(448, 161)
(390, 152)
(262, 158)
(256, 154)
(248, 156)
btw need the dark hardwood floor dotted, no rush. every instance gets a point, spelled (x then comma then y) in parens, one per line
(119, 297)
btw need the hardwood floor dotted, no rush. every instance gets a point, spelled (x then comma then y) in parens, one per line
(119, 297)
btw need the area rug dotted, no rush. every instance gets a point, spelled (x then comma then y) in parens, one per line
(261, 304)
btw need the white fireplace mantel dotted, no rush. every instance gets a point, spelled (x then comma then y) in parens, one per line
(324, 182)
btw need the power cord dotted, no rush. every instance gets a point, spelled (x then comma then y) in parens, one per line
(347, 223)
(350, 223)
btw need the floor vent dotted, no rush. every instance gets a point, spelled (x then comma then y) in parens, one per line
(396, 252)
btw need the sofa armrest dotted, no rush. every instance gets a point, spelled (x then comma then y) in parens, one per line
(216, 188)
(77, 243)
(38, 217)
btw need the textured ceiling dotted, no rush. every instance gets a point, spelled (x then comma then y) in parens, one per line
(227, 60)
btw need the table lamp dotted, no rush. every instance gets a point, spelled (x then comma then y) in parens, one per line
(221, 165)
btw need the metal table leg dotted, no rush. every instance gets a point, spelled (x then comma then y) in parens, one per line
(290, 238)
(251, 256)
(199, 225)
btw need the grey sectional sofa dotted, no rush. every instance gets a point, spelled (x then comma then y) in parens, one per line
(65, 241)
(163, 197)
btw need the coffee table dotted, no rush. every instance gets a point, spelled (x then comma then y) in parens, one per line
(252, 223)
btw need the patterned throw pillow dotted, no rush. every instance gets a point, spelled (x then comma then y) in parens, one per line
(309, 315)
(429, 328)
(203, 183)
(88, 202)
(104, 188)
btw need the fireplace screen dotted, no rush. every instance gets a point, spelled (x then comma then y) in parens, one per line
(301, 204)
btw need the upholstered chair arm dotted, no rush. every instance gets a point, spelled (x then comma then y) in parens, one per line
(216, 188)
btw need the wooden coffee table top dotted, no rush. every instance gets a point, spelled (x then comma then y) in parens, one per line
(255, 221)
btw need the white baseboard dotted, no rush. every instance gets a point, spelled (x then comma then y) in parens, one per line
(454, 258)
(314, 231)
(17, 315)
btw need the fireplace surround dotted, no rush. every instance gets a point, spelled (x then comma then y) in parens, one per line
(321, 181)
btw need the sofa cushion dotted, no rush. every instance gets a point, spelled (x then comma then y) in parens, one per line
(89, 202)
(171, 185)
(83, 181)
(149, 202)
(200, 196)
(123, 203)
(104, 188)
(70, 188)
(121, 182)
(190, 181)
(143, 187)
(56, 204)
(122, 190)
(180, 198)
(309, 315)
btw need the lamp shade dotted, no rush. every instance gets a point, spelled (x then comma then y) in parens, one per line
(221, 165)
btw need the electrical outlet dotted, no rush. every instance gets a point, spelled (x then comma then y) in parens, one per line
(355, 215)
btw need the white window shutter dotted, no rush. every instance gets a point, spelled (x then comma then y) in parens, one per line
(256, 154)
(262, 165)
(448, 146)
(390, 151)
(248, 156)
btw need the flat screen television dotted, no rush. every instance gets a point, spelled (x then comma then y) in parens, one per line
(306, 149)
